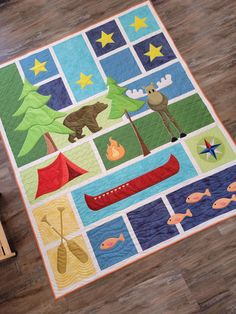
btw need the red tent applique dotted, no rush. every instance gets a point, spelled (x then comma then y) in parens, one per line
(57, 174)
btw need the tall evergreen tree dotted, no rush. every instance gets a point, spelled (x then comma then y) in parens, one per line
(122, 104)
(38, 120)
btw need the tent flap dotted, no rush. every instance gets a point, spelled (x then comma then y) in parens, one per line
(57, 174)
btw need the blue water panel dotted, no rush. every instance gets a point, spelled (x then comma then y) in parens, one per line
(121, 249)
(149, 223)
(108, 182)
(202, 211)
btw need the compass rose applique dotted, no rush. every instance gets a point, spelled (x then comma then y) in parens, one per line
(210, 149)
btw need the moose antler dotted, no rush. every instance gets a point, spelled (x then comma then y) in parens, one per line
(162, 83)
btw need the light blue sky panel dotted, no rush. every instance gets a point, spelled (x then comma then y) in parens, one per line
(79, 68)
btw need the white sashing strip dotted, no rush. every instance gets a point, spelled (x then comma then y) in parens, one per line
(52, 78)
(98, 157)
(171, 212)
(132, 233)
(84, 234)
(130, 46)
(103, 75)
(19, 68)
(60, 70)
(159, 31)
(190, 156)
(143, 75)
(112, 52)
(83, 102)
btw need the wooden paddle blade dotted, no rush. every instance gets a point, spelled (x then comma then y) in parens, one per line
(61, 258)
(77, 251)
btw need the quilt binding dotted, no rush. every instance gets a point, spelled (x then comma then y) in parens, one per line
(102, 273)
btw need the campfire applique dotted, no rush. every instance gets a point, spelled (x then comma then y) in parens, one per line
(115, 151)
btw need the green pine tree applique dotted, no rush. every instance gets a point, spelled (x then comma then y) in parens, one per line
(38, 119)
(122, 104)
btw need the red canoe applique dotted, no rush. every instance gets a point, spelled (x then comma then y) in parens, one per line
(170, 168)
(57, 174)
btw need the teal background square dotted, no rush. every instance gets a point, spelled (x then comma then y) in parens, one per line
(75, 57)
(128, 19)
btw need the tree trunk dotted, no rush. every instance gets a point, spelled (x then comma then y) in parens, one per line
(143, 146)
(51, 147)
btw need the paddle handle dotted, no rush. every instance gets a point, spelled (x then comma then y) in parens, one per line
(61, 209)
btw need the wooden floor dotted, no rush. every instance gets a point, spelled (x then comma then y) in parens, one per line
(197, 275)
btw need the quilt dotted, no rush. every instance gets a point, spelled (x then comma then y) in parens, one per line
(116, 150)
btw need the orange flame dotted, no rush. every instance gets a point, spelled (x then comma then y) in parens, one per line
(115, 151)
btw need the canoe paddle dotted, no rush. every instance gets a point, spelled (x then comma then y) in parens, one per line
(75, 249)
(61, 250)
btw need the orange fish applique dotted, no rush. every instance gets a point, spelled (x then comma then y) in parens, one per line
(197, 196)
(177, 218)
(111, 242)
(223, 202)
(232, 187)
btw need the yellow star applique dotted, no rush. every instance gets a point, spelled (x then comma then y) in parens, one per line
(105, 39)
(139, 23)
(84, 80)
(154, 52)
(38, 67)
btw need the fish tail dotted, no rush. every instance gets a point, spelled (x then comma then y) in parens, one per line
(189, 213)
(233, 198)
(121, 237)
(207, 192)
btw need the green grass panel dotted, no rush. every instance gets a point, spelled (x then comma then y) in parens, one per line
(10, 90)
(191, 114)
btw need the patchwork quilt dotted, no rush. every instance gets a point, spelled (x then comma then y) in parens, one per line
(116, 151)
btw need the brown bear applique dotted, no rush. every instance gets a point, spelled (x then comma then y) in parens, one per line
(85, 116)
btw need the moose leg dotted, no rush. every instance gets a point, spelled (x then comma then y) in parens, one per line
(172, 119)
(166, 123)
